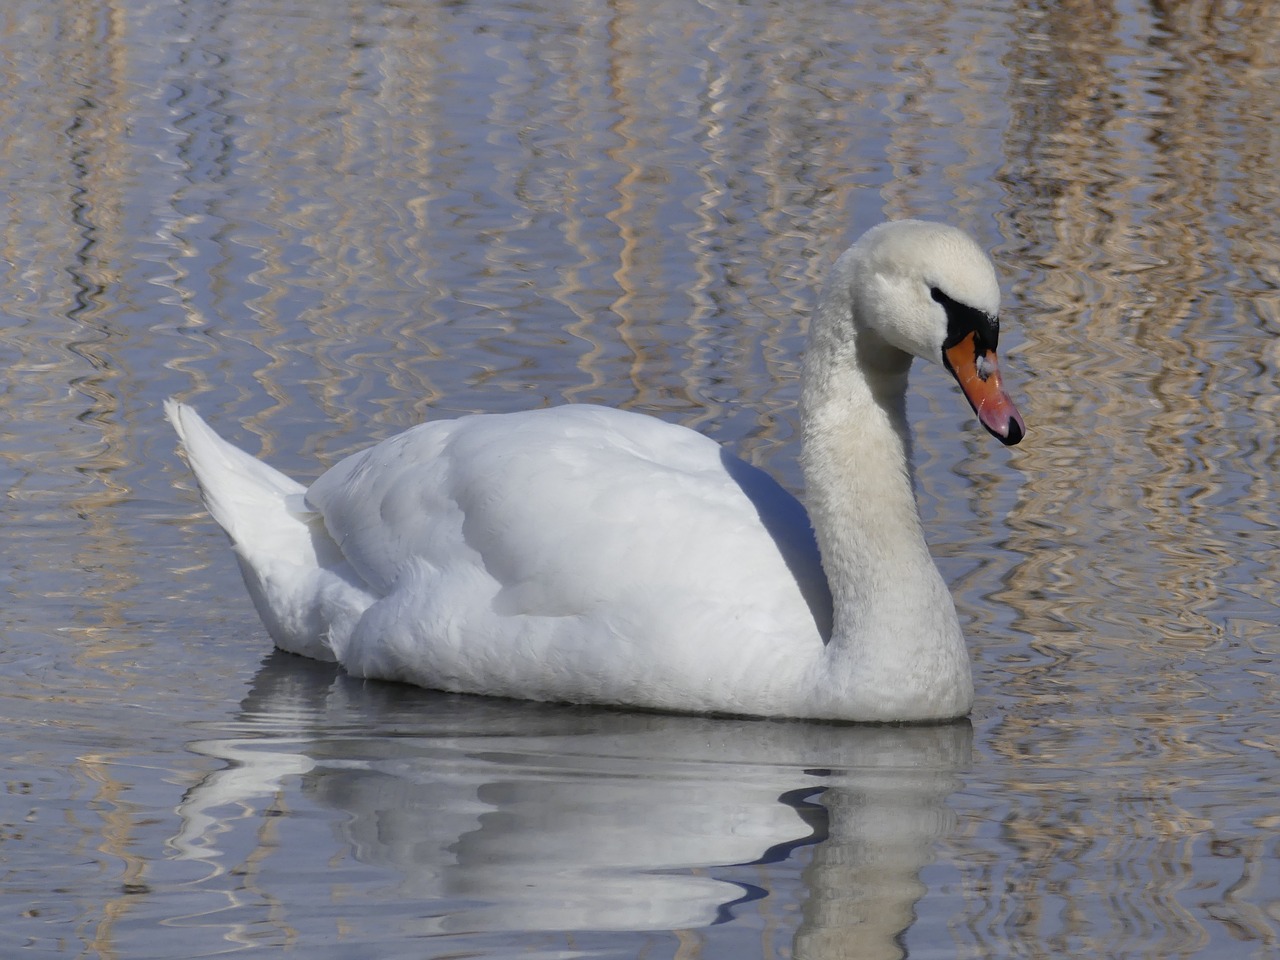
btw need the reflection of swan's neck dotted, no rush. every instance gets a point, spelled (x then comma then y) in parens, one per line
(895, 634)
(886, 814)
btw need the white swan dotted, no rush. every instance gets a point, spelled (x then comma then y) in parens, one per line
(591, 555)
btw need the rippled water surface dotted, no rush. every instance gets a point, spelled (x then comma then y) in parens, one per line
(321, 222)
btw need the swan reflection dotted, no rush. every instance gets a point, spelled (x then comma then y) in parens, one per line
(512, 816)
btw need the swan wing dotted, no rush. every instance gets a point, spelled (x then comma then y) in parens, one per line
(571, 553)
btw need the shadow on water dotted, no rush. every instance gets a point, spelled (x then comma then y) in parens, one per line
(502, 816)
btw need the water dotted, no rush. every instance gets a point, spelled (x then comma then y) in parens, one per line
(321, 222)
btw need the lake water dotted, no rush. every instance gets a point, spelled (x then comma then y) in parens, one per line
(323, 221)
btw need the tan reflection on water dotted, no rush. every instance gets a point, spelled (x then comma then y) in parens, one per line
(1151, 336)
(1151, 318)
(324, 222)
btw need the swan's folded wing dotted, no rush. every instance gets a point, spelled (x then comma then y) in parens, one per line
(561, 512)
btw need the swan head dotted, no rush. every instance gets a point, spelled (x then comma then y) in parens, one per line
(928, 290)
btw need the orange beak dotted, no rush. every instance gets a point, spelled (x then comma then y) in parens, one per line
(977, 373)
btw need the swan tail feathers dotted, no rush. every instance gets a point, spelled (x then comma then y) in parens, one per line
(306, 593)
(240, 491)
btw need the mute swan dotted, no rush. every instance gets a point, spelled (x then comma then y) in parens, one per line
(591, 555)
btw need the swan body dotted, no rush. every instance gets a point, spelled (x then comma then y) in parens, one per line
(591, 555)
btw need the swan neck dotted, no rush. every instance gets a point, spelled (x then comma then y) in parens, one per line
(859, 488)
(896, 645)
(857, 458)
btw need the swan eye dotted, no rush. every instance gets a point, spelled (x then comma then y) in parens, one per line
(963, 320)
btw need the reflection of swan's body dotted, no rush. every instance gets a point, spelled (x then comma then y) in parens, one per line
(592, 555)
(497, 816)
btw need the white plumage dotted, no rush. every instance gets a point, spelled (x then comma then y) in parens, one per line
(591, 555)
